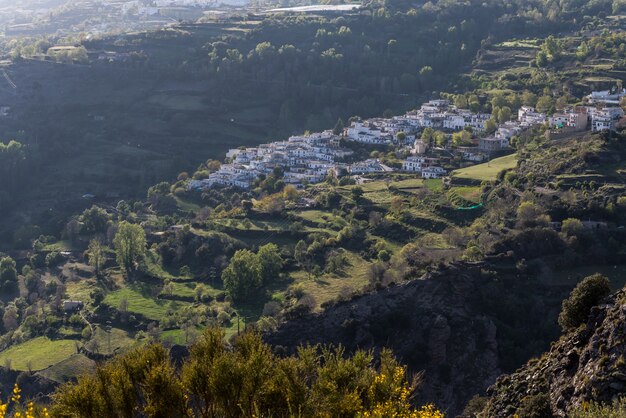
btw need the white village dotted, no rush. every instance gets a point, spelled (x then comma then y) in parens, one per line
(310, 158)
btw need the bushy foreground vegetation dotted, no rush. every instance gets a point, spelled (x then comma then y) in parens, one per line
(245, 380)
(595, 410)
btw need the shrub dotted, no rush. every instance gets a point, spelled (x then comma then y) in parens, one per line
(572, 227)
(588, 293)
(596, 410)
(537, 406)
(224, 318)
(54, 258)
(243, 380)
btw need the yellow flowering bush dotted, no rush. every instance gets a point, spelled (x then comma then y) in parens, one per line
(243, 380)
(14, 404)
(391, 394)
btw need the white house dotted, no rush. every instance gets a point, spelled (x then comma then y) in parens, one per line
(72, 305)
(419, 147)
(433, 172)
(417, 163)
(528, 116)
(493, 144)
(606, 96)
(508, 130)
(454, 122)
(363, 132)
(605, 118)
(367, 166)
(572, 119)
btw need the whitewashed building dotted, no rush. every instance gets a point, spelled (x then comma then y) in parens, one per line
(606, 97)
(417, 163)
(527, 116)
(433, 172)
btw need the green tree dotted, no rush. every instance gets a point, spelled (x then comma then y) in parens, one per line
(474, 103)
(439, 138)
(8, 274)
(572, 227)
(472, 252)
(384, 256)
(427, 134)
(142, 380)
(270, 260)
(587, 294)
(243, 275)
(95, 255)
(301, 255)
(461, 138)
(130, 246)
(552, 48)
(529, 98)
(339, 126)
(545, 103)
(491, 125)
(504, 114)
(498, 101)
(460, 101)
(94, 220)
(357, 193)
(529, 215)
(582, 51)
(541, 59)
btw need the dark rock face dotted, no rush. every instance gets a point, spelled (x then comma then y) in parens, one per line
(33, 386)
(588, 364)
(430, 324)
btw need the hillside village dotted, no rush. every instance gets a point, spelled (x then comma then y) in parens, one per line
(310, 158)
(31, 18)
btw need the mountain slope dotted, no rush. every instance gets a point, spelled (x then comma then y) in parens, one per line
(451, 324)
(583, 366)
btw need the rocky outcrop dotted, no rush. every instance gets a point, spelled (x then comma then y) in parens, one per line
(33, 385)
(431, 324)
(588, 364)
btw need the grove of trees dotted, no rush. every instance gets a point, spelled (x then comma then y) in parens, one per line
(247, 271)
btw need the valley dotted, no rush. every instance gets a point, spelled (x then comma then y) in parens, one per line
(411, 202)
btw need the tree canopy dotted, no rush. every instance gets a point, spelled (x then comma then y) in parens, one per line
(130, 245)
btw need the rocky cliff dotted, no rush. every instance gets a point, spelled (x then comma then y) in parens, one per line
(432, 324)
(588, 364)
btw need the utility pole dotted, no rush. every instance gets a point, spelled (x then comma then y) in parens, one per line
(108, 331)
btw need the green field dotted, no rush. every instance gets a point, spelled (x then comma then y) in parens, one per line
(487, 171)
(80, 290)
(317, 216)
(469, 193)
(119, 339)
(184, 290)
(329, 286)
(38, 353)
(75, 365)
(153, 309)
